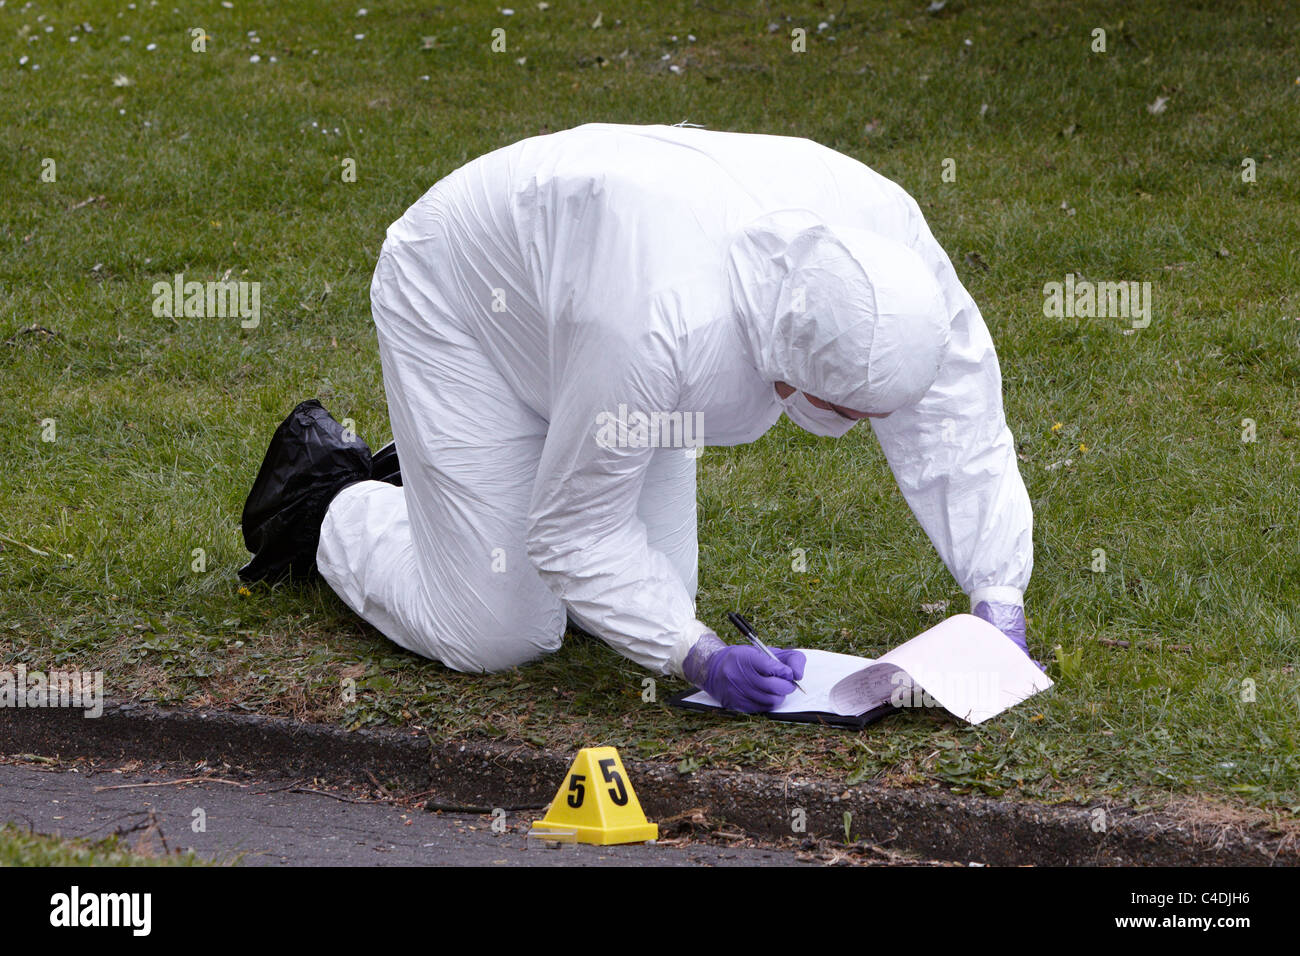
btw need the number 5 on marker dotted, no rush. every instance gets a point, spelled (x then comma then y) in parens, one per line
(576, 790)
(618, 792)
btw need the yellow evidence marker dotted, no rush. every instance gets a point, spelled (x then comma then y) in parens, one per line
(596, 803)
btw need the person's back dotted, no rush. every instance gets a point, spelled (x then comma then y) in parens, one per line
(587, 224)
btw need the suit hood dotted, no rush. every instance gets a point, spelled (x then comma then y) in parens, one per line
(838, 312)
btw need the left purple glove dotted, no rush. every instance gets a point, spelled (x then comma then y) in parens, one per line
(740, 676)
(1010, 620)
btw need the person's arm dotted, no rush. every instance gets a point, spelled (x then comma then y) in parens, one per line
(584, 535)
(955, 459)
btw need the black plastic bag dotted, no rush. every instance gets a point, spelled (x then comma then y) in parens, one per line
(311, 459)
(385, 467)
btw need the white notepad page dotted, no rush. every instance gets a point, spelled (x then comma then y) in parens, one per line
(964, 664)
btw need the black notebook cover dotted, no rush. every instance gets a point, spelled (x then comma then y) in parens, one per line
(796, 717)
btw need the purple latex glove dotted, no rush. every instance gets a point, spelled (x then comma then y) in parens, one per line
(1010, 620)
(740, 676)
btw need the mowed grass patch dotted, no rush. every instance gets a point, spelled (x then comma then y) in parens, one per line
(20, 847)
(1175, 669)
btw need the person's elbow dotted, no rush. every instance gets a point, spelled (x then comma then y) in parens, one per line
(554, 548)
(540, 543)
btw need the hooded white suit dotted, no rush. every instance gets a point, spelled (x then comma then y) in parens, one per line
(546, 288)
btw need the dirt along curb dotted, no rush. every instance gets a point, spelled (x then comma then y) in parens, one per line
(931, 823)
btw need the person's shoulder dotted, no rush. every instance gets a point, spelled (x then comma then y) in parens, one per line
(600, 158)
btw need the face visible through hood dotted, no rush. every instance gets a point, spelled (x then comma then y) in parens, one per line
(841, 313)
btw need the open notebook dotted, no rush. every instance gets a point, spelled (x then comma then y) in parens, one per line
(964, 665)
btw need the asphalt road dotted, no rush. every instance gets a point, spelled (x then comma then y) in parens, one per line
(275, 823)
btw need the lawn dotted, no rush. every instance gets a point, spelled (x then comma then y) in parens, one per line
(20, 847)
(132, 438)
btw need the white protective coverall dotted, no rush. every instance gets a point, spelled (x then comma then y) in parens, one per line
(608, 270)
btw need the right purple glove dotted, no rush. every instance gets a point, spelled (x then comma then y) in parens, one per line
(1010, 620)
(740, 676)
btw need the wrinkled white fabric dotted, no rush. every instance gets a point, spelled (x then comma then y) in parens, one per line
(619, 274)
(839, 312)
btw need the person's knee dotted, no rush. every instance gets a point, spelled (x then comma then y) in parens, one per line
(493, 651)
(490, 641)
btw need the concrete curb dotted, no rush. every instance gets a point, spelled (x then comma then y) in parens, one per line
(930, 823)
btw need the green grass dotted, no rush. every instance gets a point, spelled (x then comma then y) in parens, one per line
(19, 847)
(207, 163)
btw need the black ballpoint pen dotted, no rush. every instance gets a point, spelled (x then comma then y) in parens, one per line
(751, 635)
